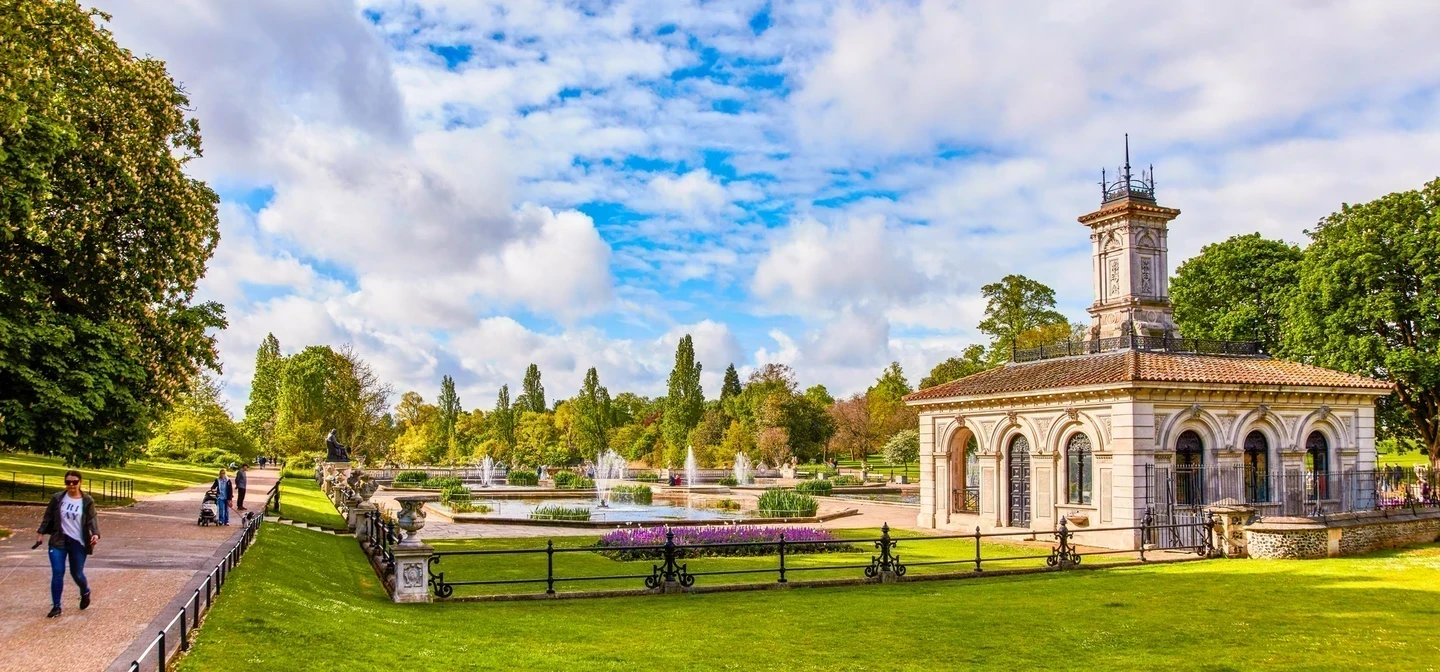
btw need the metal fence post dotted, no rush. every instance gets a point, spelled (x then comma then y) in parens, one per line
(160, 653)
(184, 641)
(977, 548)
(782, 559)
(549, 566)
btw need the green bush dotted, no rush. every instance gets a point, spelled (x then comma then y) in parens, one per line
(297, 467)
(787, 504)
(816, 487)
(468, 506)
(847, 479)
(647, 477)
(410, 478)
(442, 482)
(569, 480)
(214, 457)
(728, 480)
(522, 477)
(454, 493)
(558, 512)
(723, 505)
(640, 494)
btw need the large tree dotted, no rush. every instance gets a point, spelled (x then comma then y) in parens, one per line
(592, 415)
(323, 389)
(447, 413)
(685, 400)
(103, 237)
(969, 363)
(731, 385)
(1014, 306)
(503, 423)
(1237, 290)
(1369, 302)
(198, 428)
(532, 393)
(259, 420)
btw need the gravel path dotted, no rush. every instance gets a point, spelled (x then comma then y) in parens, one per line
(147, 553)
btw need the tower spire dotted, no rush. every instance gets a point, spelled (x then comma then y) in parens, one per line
(1127, 157)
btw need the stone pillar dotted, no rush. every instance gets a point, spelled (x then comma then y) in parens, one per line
(356, 520)
(412, 573)
(1232, 520)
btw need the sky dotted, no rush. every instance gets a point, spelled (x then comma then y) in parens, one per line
(460, 187)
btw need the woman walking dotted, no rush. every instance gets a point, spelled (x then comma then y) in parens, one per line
(224, 494)
(74, 530)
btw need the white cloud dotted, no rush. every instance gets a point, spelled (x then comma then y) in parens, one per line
(695, 191)
(858, 260)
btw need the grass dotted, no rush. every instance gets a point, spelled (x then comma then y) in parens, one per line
(24, 472)
(302, 500)
(1409, 459)
(878, 467)
(297, 595)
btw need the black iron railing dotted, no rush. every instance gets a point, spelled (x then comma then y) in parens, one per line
(668, 573)
(381, 535)
(188, 618)
(1291, 492)
(272, 498)
(40, 487)
(1096, 346)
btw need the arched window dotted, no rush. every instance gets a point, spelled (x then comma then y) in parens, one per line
(1189, 469)
(970, 501)
(1317, 462)
(1077, 469)
(1257, 467)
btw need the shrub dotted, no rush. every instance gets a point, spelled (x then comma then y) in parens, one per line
(817, 487)
(724, 534)
(468, 506)
(442, 482)
(724, 504)
(214, 457)
(847, 479)
(728, 480)
(297, 467)
(558, 512)
(409, 478)
(640, 494)
(522, 477)
(569, 480)
(787, 504)
(454, 493)
(647, 477)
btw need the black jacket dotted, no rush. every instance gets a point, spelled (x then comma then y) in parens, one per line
(50, 524)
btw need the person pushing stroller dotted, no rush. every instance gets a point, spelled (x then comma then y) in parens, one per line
(224, 494)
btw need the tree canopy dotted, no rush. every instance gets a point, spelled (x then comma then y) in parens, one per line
(1368, 302)
(1013, 306)
(969, 363)
(684, 400)
(104, 239)
(1237, 290)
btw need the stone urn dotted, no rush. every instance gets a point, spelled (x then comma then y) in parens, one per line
(411, 519)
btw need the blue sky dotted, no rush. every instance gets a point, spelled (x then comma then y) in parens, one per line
(464, 188)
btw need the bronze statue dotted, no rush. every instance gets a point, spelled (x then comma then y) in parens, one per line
(337, 451)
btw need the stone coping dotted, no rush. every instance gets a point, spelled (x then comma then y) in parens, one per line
(619, 524)
(1341, 520)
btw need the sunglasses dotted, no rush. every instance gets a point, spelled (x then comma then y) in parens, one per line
(69, 482)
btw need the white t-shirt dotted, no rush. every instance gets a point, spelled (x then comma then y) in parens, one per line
(72, 512)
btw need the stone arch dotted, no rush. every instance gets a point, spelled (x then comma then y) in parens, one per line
(1325, 422)
(1204, 423)
(960, 496)
(1268, 424)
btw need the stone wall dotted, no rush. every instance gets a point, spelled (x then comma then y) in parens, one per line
(1345, 534)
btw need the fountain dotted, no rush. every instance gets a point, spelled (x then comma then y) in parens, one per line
(691, 468)
(487, 472)
(742, 470)
(609, 467)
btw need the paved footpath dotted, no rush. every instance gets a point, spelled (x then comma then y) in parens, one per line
(147, 553)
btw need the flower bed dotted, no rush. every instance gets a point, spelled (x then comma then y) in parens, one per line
(724, 534)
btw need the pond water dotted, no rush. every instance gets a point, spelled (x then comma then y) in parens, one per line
(615, 511)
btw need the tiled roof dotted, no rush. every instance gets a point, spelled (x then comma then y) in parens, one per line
(1138, 366)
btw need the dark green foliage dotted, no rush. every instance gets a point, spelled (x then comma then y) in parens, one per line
(731, 386)
(259, 420)
(103, 238)
(410, 477)
(448, 410)
(786, 504)
(558, 512)
(1237, 290)
(454, 493)
(503, 418)
(532, 396)
(1369, 303)
(647, 477)
(639, 494)
(685, 400)
(592, 415)
(569, 480)
(817, 486)
(442, 482)
(522, 477)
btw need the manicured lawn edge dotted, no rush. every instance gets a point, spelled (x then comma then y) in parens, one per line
(302, 501)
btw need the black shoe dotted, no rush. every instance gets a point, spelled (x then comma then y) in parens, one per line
(54, 611)
(84, 601)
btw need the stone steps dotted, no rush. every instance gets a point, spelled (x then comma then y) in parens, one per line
(305, 526)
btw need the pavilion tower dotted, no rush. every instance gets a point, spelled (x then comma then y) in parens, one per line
(1130, 270)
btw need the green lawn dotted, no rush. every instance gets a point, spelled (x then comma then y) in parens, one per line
(1409, 459)
(302, 601)
(302, 500)
(21, 474)
(879, 467)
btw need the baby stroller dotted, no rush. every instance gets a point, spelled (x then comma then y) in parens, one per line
(209, 509)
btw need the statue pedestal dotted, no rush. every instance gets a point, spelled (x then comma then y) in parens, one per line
(412, 573)
(356, 520)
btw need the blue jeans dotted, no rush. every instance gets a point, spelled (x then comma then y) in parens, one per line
(223, 509)
(75, 551)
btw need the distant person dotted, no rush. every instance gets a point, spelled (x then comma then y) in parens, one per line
(74, 530)
(224, 495)
(240, 488)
